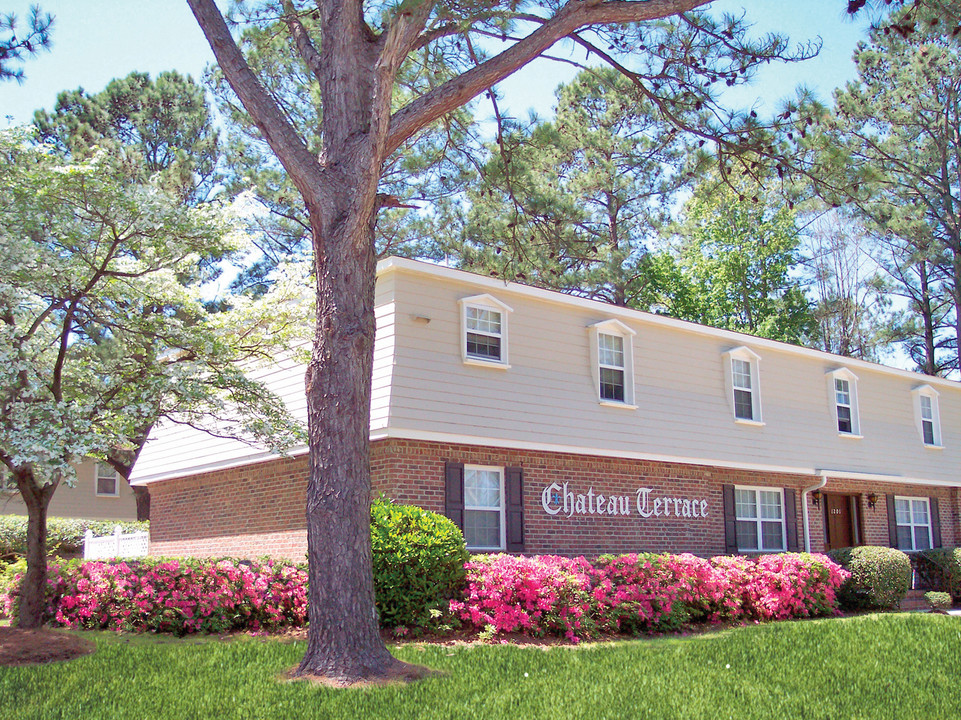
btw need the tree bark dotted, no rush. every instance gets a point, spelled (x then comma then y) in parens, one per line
(344, 643)
(34, 584)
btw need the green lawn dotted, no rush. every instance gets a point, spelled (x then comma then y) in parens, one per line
(872, 666)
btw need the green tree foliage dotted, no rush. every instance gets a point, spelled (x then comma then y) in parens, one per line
(103, 330)
(739, 258)
(430, 170)
(892, 151)
(159, 126)
(16, 46)
(576, 203)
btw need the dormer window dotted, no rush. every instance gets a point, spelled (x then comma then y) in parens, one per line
(843, 389)
(612, 361)
(484, 331)
(927, 415)
(743, 384)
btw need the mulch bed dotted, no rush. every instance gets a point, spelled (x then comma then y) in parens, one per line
(36, 647)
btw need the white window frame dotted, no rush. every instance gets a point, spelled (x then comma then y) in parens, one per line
(928, 392)
(503, 505)
(852, 380)
(759, 535)
(744, 354)
(96, 481)
(489, 303)
(617, 329)
(911, 500)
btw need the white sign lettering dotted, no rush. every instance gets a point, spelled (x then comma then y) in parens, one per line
(559, 499)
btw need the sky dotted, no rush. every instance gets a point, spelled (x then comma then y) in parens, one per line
(95, 41)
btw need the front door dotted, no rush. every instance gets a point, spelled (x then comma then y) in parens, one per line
(840, 525)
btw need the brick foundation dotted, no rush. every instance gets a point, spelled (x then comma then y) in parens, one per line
(259, 509)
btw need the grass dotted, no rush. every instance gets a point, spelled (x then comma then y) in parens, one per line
(870, 666)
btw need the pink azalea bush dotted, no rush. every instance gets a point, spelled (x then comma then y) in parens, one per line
(179, 596)
(642, 593)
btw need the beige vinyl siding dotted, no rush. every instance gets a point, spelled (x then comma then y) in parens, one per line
(81, 500)
(548, 397)
(174, 450)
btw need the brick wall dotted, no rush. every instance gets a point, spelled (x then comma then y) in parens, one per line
(259, 509)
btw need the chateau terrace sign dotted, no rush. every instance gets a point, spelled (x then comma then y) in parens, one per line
(558, 499)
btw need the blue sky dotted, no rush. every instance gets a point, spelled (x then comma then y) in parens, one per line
(97, 40)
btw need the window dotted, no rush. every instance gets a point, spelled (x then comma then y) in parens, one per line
(107, 482)
(484, 507)
(487, 504)
(913, 518)
(759, 513)
(743, 387)
(843, 388)
(484, 330)
(612, 359)
(927, 415)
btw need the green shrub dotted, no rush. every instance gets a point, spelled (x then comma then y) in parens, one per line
(64, 535)
(419, 561)
(938, 600)
(947, 563)
(880, 577)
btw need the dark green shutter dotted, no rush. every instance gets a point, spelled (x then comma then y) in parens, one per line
(730, 520)
(514, 481)
(892, 522)
(935, 523)
(790, 517)
(454, 493)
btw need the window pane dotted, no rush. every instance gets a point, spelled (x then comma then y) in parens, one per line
(844, 419)
(770, 502)
(746, 535)
(842, 389)
(772, 536)
(742, 374)
(486, 321)
(105, 471)
(106, 486)
(482, 528)
(904, 538)
(482, 488)
(743, 405)
(926, 411)
(610, 350)
(612, 384)
(483, 346)
(928, 427)
(745, 504)
(919, 512)
(902, 511)
(921, 538)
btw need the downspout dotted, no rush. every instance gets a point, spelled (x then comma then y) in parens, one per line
(804, 508)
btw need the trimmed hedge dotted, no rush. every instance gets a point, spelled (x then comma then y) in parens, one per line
(64, 535)
(880, 577)
(948, 563)
(419, 561)
(552, 595)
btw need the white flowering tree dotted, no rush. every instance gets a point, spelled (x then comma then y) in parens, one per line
(103, 331)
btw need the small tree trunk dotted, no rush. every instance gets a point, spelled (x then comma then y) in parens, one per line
(34, 584)
(343, 642)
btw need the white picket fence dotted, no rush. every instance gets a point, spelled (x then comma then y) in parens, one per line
(115, 546)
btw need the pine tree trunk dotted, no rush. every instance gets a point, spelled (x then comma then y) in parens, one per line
(34, 583)
(343, 643)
